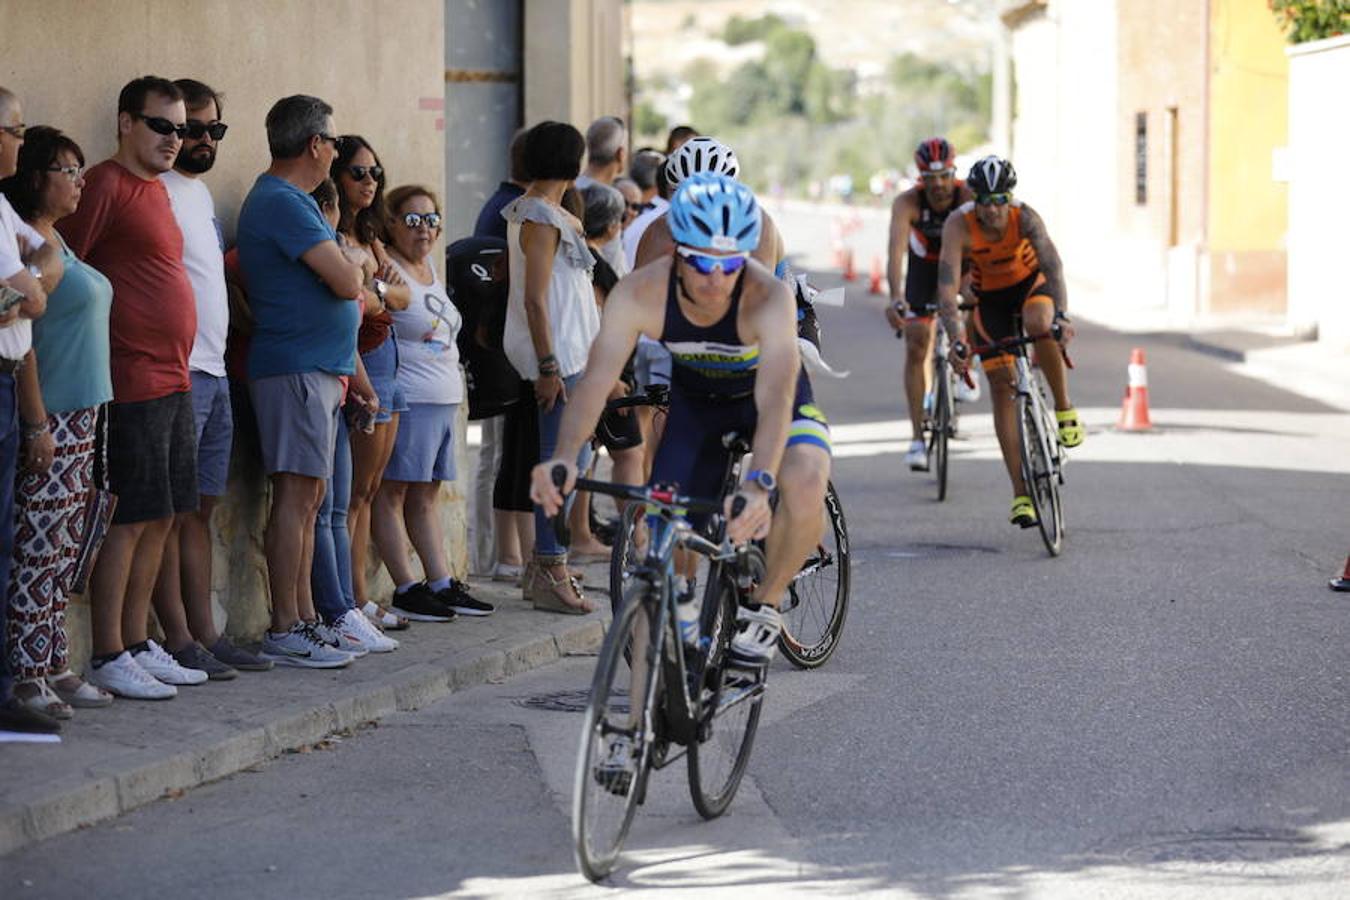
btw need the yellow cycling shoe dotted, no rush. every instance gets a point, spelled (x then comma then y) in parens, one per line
(1023, 512)
(1071, 432)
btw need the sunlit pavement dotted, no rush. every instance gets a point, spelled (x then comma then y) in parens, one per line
(1160, 712)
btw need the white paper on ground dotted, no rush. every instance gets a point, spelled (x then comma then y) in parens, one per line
(24, 737)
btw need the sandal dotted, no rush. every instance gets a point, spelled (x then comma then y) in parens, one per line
(558, 595)
(38, 697)
(78, 693)
(383, 618)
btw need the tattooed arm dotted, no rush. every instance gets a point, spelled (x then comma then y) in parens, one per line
(1033, 229)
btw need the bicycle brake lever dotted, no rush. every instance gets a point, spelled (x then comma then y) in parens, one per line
(737, 505)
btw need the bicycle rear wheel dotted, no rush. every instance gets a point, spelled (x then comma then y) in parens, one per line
(626, 553)
(615, 737)
(729, 705)
(1038, 472)
(942, 425)
(817, 599)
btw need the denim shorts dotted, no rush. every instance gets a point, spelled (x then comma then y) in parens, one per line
(215, 431)
(297, 422)
(424, 449)
(382, 370)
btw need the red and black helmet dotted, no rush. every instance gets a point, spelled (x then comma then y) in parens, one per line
(934, 155)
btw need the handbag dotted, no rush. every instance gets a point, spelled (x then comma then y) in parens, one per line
(98, 510)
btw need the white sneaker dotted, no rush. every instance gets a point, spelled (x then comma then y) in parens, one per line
(355, 628)
(300, 646)
(124, 677)
(163, 667)
(965, 393)
(334, 637)
(917, 457)
(756, 638)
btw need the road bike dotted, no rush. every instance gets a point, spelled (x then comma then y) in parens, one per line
(817, 600)
(1043, 457)
(657, 696)
(940, 410)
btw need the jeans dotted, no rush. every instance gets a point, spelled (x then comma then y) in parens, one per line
(545, 541)
(330, 579)
(9, 462)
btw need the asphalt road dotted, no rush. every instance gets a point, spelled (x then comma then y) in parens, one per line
(1162, 711)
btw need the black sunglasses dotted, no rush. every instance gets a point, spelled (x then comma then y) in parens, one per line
(332, 139)
(17, 131)
(198, 130)
(359, 173)
(412, 220)
(162, 126)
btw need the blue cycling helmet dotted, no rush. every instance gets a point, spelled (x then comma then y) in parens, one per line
(714, 212)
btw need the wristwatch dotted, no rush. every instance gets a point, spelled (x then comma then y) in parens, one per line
(36, 271)
(762, 480)
(380, 287)
(1061, 316)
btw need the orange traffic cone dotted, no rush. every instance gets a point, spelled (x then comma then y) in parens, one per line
(1134, 411)
(874, 280)
(1342, 583)
(849, 273)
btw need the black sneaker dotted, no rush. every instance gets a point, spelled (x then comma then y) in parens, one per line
(457, 597)
(421, 604)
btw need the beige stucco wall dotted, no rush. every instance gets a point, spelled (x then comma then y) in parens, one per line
(379, 65)
(574, 61)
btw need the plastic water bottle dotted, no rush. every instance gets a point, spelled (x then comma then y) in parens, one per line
(687, 609)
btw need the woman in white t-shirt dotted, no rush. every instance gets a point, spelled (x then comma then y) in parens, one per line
(424, 448)
(551, 320)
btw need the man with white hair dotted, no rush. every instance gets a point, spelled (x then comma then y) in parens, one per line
(606, 160)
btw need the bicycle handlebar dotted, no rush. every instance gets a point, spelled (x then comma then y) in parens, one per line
(963, 307)
(666, 499)
(655, 395)
(1056, 331)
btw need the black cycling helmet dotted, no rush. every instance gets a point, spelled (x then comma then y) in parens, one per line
(991, 175)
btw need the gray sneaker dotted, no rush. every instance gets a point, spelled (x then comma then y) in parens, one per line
(195, 656)
(300, 646)
(237, 657)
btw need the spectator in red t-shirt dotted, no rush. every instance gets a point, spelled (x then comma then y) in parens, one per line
(125, 228)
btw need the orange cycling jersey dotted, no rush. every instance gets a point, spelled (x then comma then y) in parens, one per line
(1004, 262)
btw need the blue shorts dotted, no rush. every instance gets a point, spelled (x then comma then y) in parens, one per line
(382, 369)
(297, 422)
(424, 449)
(691, 454)
(215, 431)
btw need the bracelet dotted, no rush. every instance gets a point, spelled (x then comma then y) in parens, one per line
(32, 432)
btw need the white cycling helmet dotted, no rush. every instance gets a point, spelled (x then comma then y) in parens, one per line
(701, 155)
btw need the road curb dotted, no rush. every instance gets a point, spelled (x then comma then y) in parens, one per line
(103, 792)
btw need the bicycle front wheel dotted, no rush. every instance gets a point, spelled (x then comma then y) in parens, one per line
(615, 737)
(626, 553)
(1037, 471)
(817, 600)
(729, 706)
(942, 425)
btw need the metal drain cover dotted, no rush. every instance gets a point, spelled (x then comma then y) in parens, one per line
(936, 550)
(1249, 851)
(570, 702)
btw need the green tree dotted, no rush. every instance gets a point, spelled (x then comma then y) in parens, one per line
(739, 31)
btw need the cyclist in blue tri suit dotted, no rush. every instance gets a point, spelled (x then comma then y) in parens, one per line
(731, 330)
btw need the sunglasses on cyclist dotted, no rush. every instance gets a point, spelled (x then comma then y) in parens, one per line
(359, 173)
(162, 126)
(993, 199)
(706, 264)
(937, 176)
(412, 220)
(198, 130)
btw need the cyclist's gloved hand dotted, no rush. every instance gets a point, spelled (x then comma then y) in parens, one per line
(542, 489)
(753, 522)
(959, 357)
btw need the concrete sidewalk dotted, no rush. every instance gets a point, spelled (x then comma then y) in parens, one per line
(115, 759)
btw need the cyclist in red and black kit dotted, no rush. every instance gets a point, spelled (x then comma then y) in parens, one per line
(917, 217)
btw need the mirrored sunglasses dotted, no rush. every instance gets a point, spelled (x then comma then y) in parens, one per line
(412, 220)
(198, 130)
(993, 199)
(706, 264)
(359, 173)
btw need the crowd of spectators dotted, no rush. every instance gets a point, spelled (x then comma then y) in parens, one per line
(138, 355)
